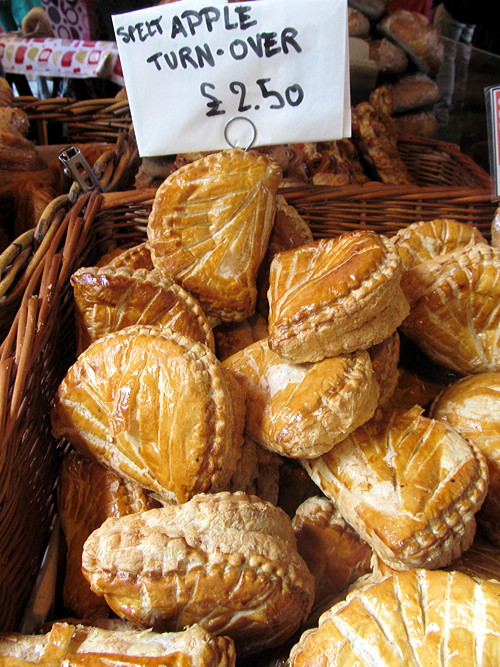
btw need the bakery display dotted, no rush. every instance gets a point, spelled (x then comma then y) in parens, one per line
(335, 296)
(412, 618)
(303, 410)
(154, 406)
(409, 485)
(472, 407)
(227, 562)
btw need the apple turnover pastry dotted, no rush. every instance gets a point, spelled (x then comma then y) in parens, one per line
(303, 410)
(209, 228)
(425, 240)
(409, 485)
(225, 561)
(135, 257)
(108, 299)
(68, 644)
(154, 406)
(335, 296)
(88, 494)
(408, 619)
(472, 406)
(455, 309)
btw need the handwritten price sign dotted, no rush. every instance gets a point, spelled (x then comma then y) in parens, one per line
(190, 68)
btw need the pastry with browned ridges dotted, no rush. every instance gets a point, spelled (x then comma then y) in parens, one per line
(472, 406)
(333, 551)
(67, 644)
(156, 407)
(428, 239)
(210, 225)
(335, 296)
(409, 619)
(409, 485)
(108, 299)
(135, 257)
(231, 337)
(225, 561)
(455, 309)
(88, 494)
(303, 410)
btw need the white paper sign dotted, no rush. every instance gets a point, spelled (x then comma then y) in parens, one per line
(204, 75)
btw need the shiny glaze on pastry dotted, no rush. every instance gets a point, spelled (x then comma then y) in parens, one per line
(472, 406)
(335, 296)
(209, 227)
(154, 406)
(109, 299)
(409, 485)
(227, 561)
(303, 410)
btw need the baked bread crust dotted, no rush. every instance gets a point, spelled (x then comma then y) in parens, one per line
(413, 91)
(414, 33)
(225, 561)
(332, 550)
(108, 299)
(231, 337)
(88, 494)
(335, 296)
(154, 406)
(409, 485)
(428, 239)
(209, 228)
(385, 362)
(136, 257)
(455, 309)
(68, 644)
(303, 410)
(472, 406)
(411, 618)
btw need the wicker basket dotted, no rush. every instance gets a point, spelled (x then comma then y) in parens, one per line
(40, 344)
(83, 120)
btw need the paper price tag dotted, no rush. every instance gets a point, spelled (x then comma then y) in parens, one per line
(277, 67)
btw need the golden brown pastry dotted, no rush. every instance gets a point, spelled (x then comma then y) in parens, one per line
(472, 406)
(210, 225)
(428, 239)
(335, 296)
(15, 118)
(332, 550)
(387, 56)
(455, 309)
(6, 93)
(257, 472)
(418, 123)
(88, 494)
(226, 561)
(495, 229)
(137, 257)
(376, 138)
(109, 299)
(154, 406)
(231, 337)
(75, 645)
(413, 91)
(409, 485)
(357, 23)
(414, 33)
(408, 619)
(413, 390)
(303, 410)
(385, 359)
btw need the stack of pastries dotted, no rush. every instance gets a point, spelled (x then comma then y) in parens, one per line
(240, 466)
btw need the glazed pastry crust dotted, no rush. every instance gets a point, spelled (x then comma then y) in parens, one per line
(472, 406)
(455, 309)
(154, 406)
(83, 645)
(227, 561)
(409, 485)
(88, 494)
(303, 410)
(411, 618)
(335, 296)
(428, 239)
(108, 299)
(209, 227)
(385, 360)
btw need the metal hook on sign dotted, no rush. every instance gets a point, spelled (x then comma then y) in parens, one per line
(77, 168)
(234, 144)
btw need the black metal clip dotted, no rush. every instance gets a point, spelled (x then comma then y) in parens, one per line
(77, 168)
